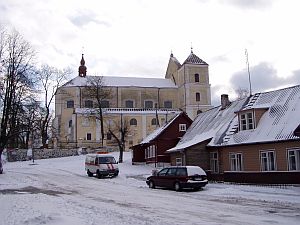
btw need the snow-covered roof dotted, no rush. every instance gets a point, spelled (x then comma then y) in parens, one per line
(158, 131)
(211, 124)
(279, 121)
(111, 81)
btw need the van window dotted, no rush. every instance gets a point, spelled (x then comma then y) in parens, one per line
(181, 172)
(106, 160)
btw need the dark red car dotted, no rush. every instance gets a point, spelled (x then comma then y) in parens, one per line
(178, 178)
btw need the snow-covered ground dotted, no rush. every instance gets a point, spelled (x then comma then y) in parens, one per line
(57, 191)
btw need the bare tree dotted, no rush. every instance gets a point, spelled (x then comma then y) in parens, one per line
(242, 93)
(96, 90)
(119, 132)
(16, 60)
(51, 79)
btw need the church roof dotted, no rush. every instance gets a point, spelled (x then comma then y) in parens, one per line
(112, 81)
(193, 59)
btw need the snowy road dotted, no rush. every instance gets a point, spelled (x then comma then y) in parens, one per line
(57, 191)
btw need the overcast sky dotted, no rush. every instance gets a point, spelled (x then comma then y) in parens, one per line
(136, 37)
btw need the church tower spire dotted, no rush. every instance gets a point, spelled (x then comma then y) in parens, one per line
(82, 68)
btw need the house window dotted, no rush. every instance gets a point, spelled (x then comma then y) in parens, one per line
(182, 127)
(129, 104)
(148, 104)
(197, 78)
(70, 123)
(214, 162)
(178, 162)
(70, 104)
(154, 121)
(197, 97)
(133, 121)
(88, 136)
(267, 160)
(168, 104)
(88, 104)
(236, 161)
(294, 159)
(108, 136)
(246, 121)
(104, 104)
(150, 152)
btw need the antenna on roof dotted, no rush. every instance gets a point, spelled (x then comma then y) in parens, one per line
(191, 47)
(249, 77)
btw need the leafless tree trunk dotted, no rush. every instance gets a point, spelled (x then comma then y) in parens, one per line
(119, 133)
(51, 79)
(96, 90)
(16, 57)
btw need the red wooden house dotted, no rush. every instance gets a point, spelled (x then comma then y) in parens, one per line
(153, 148)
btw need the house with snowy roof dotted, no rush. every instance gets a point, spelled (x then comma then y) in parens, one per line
(143, 104)
(252, 140)
(152, 150)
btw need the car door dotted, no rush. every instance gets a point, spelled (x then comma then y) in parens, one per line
(170, 177)
(161, 179)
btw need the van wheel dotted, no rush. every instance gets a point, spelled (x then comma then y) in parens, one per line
(98, 175)
(177, 186)
(89, 173)
(151, 184)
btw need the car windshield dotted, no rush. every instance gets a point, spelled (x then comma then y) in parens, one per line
(106, 160)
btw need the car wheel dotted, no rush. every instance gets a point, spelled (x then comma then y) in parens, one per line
(98, 175)
(151, 184)
(177, 186)
(89, 173)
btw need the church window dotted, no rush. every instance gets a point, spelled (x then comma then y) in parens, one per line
(197, 97)
(168, 104)
(70, 104)
(89, 136)
(70, 123)
(108, 136)
(197, 78)
(153, 121)
(104, 104)
(129, 104)
(148, 104)
(88, 104)
(133, 121)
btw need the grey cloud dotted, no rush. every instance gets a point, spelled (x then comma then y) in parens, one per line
(249, 4)
(220, 58)
(83, 18)
(263, 77)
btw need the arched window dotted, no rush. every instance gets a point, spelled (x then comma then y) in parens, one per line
(70, 104)
(197, 77)
(108, 136)
(70, 123)
(133, 121)
(88, 104)
(129, 104)
(153, 121)
(197, 97)
(199, 111)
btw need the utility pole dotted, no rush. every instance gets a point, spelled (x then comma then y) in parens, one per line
(249, 77)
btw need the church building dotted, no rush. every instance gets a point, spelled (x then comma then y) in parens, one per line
(139, 104)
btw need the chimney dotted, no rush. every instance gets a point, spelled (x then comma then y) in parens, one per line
(224, 101)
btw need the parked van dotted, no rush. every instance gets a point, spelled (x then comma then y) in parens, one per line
(101, 165)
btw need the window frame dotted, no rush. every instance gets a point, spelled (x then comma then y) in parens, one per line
(269, 163)
(246, 122)
(236, 163)
(296, 156)
(88, 104)
(131, 101)
(148, 101)
(88, 136)
(131, 122)
(69, 105)
(198, 97)
(214, 162)
(197, 77)
(166, 104)
(182, 127)
(106, 105)
(154, 124)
